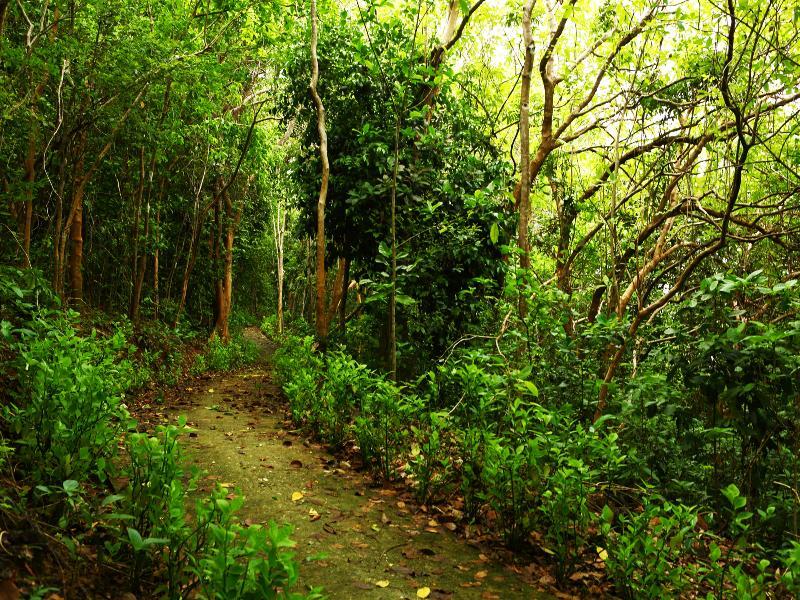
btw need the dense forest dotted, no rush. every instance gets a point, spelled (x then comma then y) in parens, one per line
(528, 268)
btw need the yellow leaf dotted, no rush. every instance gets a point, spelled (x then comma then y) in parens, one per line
(382, 583)
(602, 553)
(210, 390)
(423, 592)
(297, 496)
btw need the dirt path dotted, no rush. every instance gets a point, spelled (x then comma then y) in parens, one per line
(373, 542)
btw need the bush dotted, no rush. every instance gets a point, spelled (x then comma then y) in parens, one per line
(382, 425)
(67, 410)
(211, 551)
(234, 354)
(241, 562)
(298, 369)
(643, 553)
(431, 463)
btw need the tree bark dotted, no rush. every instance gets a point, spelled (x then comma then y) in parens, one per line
(524, 137)
(321, 320)
(139, 261)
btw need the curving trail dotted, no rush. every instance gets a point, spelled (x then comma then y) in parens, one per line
(371, 542)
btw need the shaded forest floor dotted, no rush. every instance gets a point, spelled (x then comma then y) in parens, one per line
(353, 538)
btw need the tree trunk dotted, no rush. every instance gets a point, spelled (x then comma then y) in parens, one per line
(156, 241)
(343, 303)
(139, 261)
(279, 230)
(524, 137)
(321, 321)
(76, 239)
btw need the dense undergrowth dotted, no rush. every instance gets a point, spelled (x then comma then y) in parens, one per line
(82, 484)
(682, 488)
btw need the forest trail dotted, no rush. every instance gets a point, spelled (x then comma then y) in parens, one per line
(371, 542)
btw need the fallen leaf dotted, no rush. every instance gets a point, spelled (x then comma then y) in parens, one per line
(296, 496)
(481, 574)
(210, 390)
(602, 553)
(296, 464)
(313, 515)
(450, 525)
(490, 596)
(382, 583)
(423, 592)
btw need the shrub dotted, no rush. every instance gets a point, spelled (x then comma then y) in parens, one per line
(298, 369)
(431, 464)
(644, 553)
(346, 385)
(240, 562)
(382, 425)
(234, 354)
(67, 408)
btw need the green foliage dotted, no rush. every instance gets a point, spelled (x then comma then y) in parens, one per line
(645, 551)
(298, 369)
(211, 550)
(66, 420)
(381, 426)
(430, 461)
(243, 562)
(220, 355)
(67, 411)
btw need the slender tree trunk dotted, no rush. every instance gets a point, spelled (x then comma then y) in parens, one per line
(139, 261)
(225, 288)
(279, 230)
(156, 241)
(524, 137)
(76, 240)
(392, 341)
(343, 303)
(3, 14)
(322, 324)
(30, 180)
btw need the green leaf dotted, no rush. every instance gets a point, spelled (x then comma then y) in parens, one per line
(494, 233)
(135, 538)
